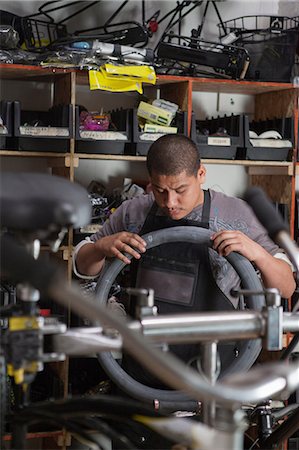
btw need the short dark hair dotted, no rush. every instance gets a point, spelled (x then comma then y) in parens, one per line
(173, 154)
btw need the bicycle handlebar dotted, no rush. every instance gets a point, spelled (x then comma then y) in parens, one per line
(262, 383)
(173, 329)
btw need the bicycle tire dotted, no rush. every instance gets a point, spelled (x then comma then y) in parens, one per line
(249, 280)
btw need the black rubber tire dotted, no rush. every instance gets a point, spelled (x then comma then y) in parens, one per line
(250, 280)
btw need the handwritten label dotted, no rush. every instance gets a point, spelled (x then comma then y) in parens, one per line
(223, 141)
(44, 131)
(103, 135)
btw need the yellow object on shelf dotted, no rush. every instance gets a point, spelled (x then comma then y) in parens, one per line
(153, 114)
(145, 74)
(117, 78)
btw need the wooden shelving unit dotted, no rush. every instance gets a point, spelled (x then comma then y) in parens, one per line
(271, 99)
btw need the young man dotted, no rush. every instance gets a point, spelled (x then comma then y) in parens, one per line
(176, 177)
(185, 277)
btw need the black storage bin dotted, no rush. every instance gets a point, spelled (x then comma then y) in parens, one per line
(142, 141)
(6, 129)
(284, 126)
(40, 131)
(108, 142)
(216, 144)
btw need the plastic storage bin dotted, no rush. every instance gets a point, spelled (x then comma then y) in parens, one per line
(43, 130)
(268, 149)
(218, 138)
(142, 141)
(105, 142)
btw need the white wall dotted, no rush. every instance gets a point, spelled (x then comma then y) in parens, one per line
(229, 179)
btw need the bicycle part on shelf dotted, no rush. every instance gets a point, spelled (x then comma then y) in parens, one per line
(249, 350)
(40, 32)
(230, 60)
(271, 41)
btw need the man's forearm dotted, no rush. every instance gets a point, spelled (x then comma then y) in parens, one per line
(89, 260)
(278, 273)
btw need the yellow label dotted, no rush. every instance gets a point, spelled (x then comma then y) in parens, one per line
(23, 323)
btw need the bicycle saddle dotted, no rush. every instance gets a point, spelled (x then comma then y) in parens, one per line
(35, 201)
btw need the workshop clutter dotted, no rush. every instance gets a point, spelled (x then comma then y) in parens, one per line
(271, 41)
(192, 56)
(120, 56)
(104, 203)
(236, 137)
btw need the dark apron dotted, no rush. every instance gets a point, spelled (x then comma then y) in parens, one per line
(181, 276)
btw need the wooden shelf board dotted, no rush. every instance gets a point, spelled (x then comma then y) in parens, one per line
(284, 166)
(37, 435)
(257, 167)
(237, 87)
(109, 157)
(24, 153)
(246, 162)
(21, 71)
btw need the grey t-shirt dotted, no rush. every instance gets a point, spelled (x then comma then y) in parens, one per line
(226, 213)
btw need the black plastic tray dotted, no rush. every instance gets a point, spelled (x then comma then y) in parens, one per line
(285, 126)
(42, 130)
(213, 146)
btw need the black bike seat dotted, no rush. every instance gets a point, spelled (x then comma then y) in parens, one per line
(35, 201)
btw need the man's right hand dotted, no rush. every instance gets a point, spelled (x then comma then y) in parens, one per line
(116, 245)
